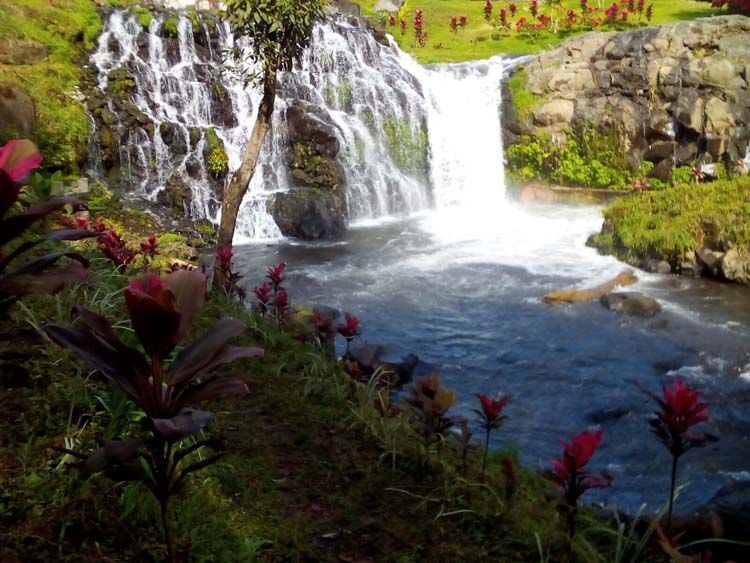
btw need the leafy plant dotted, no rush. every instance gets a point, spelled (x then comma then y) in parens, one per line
(569, 473)
(491, 417)
(36, 275)
(349, 329)
(230, 279)
(430, 403)
(161, 313)
(680, 409)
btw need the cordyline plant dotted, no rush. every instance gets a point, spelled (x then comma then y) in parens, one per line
(491, 417)
(161, 313)
(229, 279)
(430, 403)
(680, 408)
(349, 329)
(36, 275)
(569, 473)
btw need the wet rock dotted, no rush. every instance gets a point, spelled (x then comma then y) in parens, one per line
(656, 266)
(372, 357)
(176, 196)
(633, 304)
(309, 214)
(735, 265)
(600, 416)
(173, 136)
(17, 112)
(732, 503)
(710, 260)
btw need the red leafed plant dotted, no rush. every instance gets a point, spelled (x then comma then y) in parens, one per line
(534, 8)
(430, 402)
(275, 275)
(116, 249)
(680, 408)
(569, 473)
(161, 313)
(229, 279)
(742, 6)
(150, 248)
(491, 417)
(512, 7)
(454, 24)
(19, 277)
(263, 295)
(349, 329)
(487, 10)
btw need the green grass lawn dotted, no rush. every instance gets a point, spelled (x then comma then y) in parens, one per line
(481, 39)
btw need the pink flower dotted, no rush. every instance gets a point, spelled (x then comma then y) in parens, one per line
(18, 158)
(568, 471)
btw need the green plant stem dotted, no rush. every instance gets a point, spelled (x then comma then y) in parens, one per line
(486, 450)
(671, 494)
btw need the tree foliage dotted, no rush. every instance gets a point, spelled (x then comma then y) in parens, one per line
(280, 30)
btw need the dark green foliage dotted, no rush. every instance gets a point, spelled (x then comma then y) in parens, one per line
(280, 29)
(590, 157)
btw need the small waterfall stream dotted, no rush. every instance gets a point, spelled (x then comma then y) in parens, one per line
(184, 93)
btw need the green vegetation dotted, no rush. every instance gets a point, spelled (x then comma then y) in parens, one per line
(523, 100)
(409, 146)
(67, 29)
(668, 223)
(144, 17)
(590, 157)
(481, 39)
(169, 27)
(218, 160)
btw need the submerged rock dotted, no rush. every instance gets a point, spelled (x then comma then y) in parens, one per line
(633, 304)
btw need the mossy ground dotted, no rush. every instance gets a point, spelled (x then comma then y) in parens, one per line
(68, 29)
(481, 39)
(668, 223)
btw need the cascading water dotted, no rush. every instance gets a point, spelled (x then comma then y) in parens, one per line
(181, 98)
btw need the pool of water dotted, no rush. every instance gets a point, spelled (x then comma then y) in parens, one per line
(461, 288)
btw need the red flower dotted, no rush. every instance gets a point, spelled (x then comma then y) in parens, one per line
(263, 293)
(463, 20)
(534, 7)
(18, 158)
(224, 256)
(697, 173)
(492, 409)
(454, 24)
(350, 329)
(680, 409)
(520, 24)
(487, 10)
(568, 471)
(275, 275)
(392, 20)
(281, 301)
(404, 26)
(512, 7)
(504, 17)
(641, 184)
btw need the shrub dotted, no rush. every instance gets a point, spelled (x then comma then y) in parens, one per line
(161, 314)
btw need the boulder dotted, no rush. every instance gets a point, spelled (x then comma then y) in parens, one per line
(14, 51)
(710, 260)
(633, 304)
(391, 6)
(176, 195)
(17, 112)
(554, 112)
(309, 214)
(735, 265)
(610, 414)
(732, 503)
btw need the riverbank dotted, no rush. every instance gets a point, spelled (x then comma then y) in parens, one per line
(691, 229)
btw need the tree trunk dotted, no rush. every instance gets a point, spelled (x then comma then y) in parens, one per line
(235, 191)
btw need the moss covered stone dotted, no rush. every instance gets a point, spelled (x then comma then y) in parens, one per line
(217, 160)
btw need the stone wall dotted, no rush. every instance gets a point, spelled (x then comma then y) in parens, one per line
(678, 93)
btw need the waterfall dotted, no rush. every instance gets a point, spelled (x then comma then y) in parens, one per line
(409, 137)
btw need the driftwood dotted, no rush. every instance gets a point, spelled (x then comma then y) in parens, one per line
(574, 295)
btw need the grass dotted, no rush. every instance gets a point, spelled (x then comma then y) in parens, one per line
(68, 28)
(668, 223)
(481, 40)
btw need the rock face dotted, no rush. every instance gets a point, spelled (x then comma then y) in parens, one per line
(632, 304)
(17, 112)
(21, 51)
(676, 92)
(316, 207)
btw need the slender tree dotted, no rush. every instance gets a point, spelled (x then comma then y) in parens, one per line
(279, 31)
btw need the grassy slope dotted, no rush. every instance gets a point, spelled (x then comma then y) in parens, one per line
(477, 42)
(668, 223)
(68, 28)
